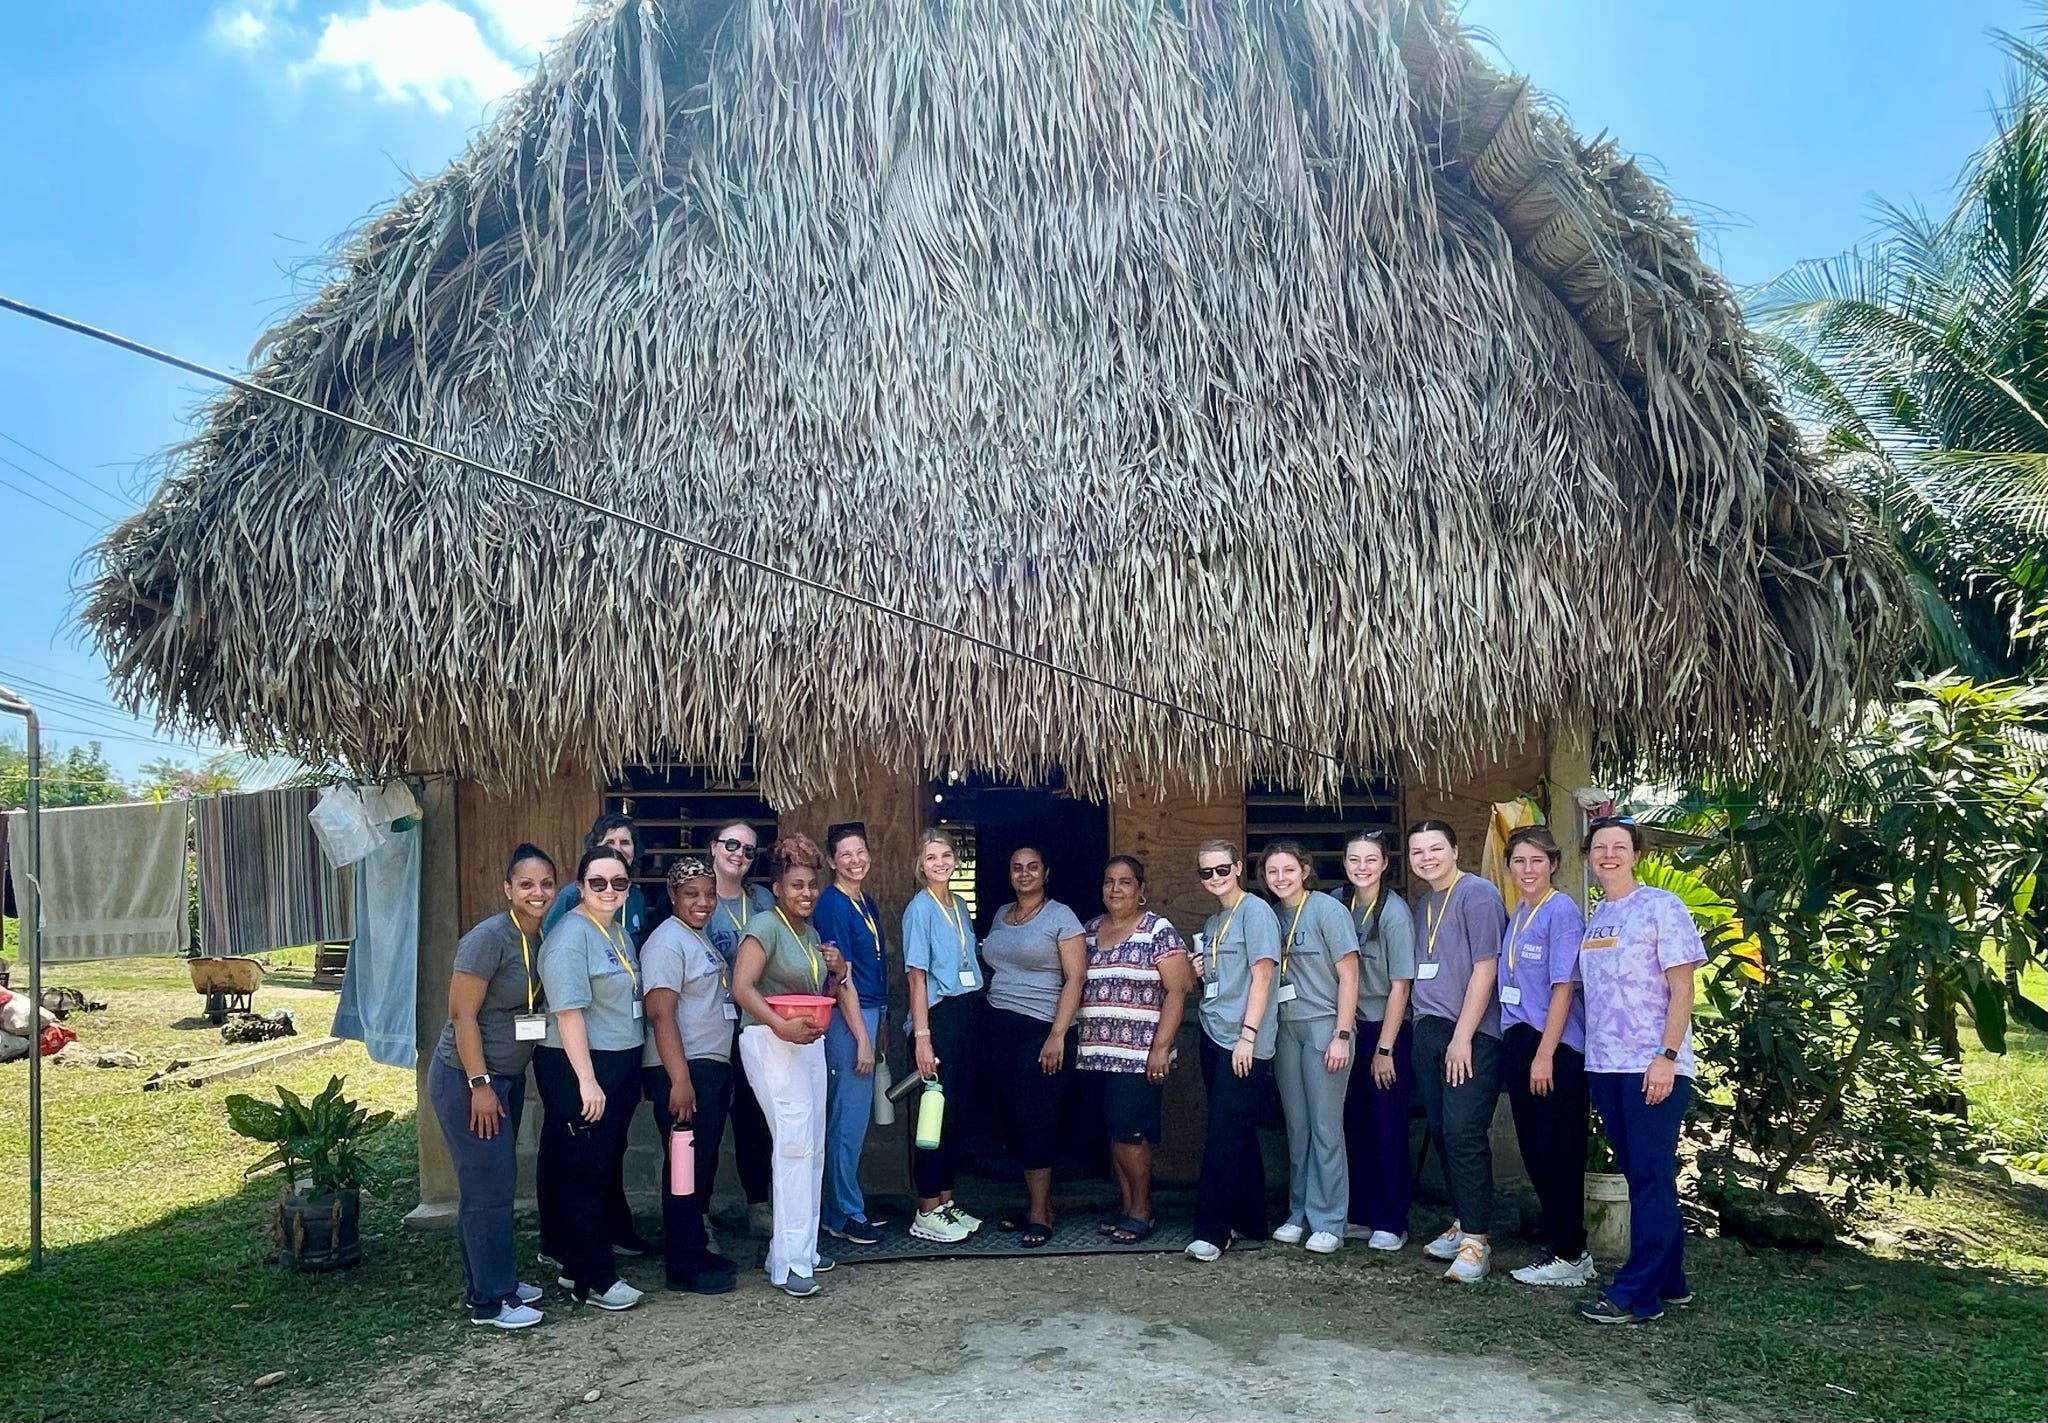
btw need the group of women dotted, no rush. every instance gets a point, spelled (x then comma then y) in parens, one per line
(1456, 995)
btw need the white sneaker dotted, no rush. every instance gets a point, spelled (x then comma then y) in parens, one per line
(1387, 1240)
(1473, 1262)
(511, 1316)
(1325, 1243)
(1202, 1250)
(938, 1225)
(1445, 1246)
(1357, 1232)
(1557, 1271)
(761, 1220)
(620, 1296)
(528, 1293)
(1290, 1233)
(951, 1210)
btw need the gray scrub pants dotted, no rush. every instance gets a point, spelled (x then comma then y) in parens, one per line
(1312, 1098)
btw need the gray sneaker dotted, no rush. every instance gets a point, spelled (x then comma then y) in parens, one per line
(799, 1286)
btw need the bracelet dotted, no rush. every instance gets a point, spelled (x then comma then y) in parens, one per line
(1248, 1028)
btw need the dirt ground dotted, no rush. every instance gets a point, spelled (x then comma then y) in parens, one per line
(1272, 1335)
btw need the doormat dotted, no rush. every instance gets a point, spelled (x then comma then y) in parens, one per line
(1075, 1234)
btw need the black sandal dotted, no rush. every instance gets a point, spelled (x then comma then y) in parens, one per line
(1131, 1230)
(1035, 1234)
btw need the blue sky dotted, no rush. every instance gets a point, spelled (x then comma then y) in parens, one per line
(174, 166)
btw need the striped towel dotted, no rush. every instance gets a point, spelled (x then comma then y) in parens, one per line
(263, 882)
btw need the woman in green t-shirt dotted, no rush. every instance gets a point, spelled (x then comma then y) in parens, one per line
(785, 1057)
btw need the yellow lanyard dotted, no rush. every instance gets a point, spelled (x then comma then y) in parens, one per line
(1520, 924)
(618, 949)
(1436, 921)
(817, 964)
(1287, 944)
(860, 907)
(737, 922)
(1216, 944)
(525, 957)
(724, 978)
(956, 919)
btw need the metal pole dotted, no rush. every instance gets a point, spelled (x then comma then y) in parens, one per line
(32, 950)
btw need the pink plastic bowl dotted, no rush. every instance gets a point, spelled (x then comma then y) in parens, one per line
(803, 1005)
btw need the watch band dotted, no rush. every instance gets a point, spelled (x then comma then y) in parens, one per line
(482, 1079)
(1344, 1034)
(1383, 1052)
(1669, 1054)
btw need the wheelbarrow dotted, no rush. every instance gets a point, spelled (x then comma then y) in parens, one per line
(228, 983)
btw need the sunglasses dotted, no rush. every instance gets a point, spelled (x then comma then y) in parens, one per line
(1209, 872)
(738, 847)
(598, 884)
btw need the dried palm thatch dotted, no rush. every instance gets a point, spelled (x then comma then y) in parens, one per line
(1280, 359)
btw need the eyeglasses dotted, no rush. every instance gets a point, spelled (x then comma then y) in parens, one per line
(733, 845)
(1209, 872)
(598, 884)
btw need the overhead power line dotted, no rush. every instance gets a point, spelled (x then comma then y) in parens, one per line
(506, 476)
(59, 490)
(53, 508)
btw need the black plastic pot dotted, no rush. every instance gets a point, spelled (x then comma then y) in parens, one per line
(318, 1232)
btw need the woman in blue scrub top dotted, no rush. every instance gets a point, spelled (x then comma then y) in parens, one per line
(848, 918)
(944, 973)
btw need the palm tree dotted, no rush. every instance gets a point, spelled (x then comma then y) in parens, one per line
(1921, 366)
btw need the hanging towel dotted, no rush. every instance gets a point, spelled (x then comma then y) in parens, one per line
(263, 882)
(379, 1005)
(113, 879)
(1508, 816)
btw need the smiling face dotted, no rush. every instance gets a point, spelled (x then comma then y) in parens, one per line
(733, 850)
(605, 882)
(1285, 875)
(531, 889)
(935, 863)
(1432, 857)
(694, 900)
(620, 838)
(1218, 872)
(1365, 865)
(1613, 855)
(1027, 873)
(850, 859)
(796, 891)
(1530, 868)
(1122, 895)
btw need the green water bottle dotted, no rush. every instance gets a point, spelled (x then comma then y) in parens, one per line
(931, 1115)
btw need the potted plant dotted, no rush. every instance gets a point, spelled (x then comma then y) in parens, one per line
(1607, 1213)
(315, 1147)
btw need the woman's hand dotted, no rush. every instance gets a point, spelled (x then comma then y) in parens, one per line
(1657, 1080)
(927, 1060)
(1241, 1058)
(863, 1059)
(1157, 1062)
(592, 1096)
(1053, 1055)
(1383, 1070)
(835, 962)
(1337, 1056)
(1542, 1073)
(486, 1112)
(682, 1099)
(801, 1031)
(1458, 1061)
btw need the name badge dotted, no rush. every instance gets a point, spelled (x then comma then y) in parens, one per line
(529, 1027)
(1427, 969)
(636, 1008)
(1285, 995)
(967, 978)
(731, 1011)
(1511, 996)
(1212, 989)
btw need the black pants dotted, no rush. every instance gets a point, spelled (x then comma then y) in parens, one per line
(1552, 1133)
(1036, 1096)
(1231, 1194)
(683, 1241)
(579, 1161)
(751, 1139)
(1460, 1117)
(952, 1025)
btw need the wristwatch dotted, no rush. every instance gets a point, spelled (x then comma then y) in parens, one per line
(1383, 1052)
(1343, 1035)
(1670, 1053)
(482, 1079)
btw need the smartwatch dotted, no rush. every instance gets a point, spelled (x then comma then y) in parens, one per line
(1343, 1035)
(482, 1079)
(1668, 1053)
(1382, 1052)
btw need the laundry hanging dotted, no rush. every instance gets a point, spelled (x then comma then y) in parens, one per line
(263, 882)
(113, 879)
(379, 1004)
(1506, 818)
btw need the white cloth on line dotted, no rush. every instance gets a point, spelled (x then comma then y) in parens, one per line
(790, 1081)
(113, 879)
(379, 1005)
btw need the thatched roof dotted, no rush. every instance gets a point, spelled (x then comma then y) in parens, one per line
(1281, 359)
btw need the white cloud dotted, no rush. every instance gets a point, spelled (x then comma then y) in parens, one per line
(432, 52)
(528, 26)
(240, 27)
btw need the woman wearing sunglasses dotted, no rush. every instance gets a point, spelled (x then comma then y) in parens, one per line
(587, 1069)
(614, 832)
(733, 848)
(782, 954)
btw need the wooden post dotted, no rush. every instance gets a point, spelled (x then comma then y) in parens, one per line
(1570, 766)
(440, 927)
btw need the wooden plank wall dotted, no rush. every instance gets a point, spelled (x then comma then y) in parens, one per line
(1164, 828)
(1465, 804)
(554, 817)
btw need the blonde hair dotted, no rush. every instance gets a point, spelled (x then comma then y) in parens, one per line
(931, 836)
(1225, 847)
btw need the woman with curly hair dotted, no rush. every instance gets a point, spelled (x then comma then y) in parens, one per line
(785, 1057)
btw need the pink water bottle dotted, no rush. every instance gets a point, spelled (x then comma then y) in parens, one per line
(682, 1162)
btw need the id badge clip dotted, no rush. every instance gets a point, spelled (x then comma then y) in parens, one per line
(638, 1010)
(731, 1010)
(1512, 996)
(1212, 989)
(529, 1027)
(1285, 995)
(1428, 969)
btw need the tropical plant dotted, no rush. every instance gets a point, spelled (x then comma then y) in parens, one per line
(314, 1145)
(77, 775)
(1920, 365)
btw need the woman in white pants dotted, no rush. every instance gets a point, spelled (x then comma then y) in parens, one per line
(785, 1058)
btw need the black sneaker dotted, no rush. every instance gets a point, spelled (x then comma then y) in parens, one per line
(1605, 1311)
(703, 1282)
(632, 1247)
(717, 1265)
(856, 1232)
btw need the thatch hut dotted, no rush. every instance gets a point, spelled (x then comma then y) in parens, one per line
(1281, 361)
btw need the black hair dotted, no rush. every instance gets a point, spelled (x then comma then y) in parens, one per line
(1137, 866)
(522, 852)
(847, 830)
(1441, 827)
(611, 820)
(595, 853)
(1610, 822)
(1027, 845)
(1385, 840)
